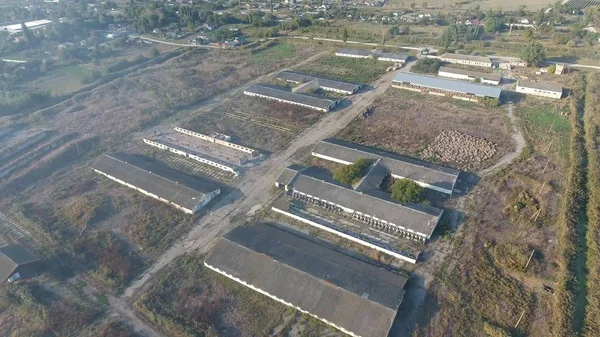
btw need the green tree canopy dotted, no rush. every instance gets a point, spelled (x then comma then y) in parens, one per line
(493, 25)
(351, 173)
(407, 191)
(533, 53)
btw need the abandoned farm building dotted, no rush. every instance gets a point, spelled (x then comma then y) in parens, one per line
(392, 57)
(190, 153)
(169, 186)
(548, 90)
(432, 176)
(327, 282)
(14, 262)
(467, 75)
(312, 82)
(445, 87)
(413, 221)
(284, 96)
(471, 60)
(378, 55)
(354, 53)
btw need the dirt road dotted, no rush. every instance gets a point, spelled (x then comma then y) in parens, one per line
(251, 193)
(518, 138)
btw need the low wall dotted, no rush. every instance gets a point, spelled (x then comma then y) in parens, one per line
(253, 153)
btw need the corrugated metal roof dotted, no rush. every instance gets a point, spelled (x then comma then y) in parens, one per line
(313, 275)
(449, 85)
(463, 57)
(410, 168)
(540, 86)
(168, 184)
(475, 74)
(416, 217)
(323, 82)
(11, 257)
(280, 93)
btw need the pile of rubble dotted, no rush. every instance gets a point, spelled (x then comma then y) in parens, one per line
(456, 147)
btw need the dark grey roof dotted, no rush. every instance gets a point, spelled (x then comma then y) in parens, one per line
(475, 74)
(294, 76)
(323, 82)
(354, 52)
(393, 56)
(288, 173)
(11, 257)
(161, 181)
(282, 94)
(373, 178)
(309, 273)
(418, 218)
(410, 168)
(449, 85)
(463, 57)
(540, 86)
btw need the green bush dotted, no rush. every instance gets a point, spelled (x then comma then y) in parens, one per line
(407, 191)
(426, 66)
(349, 174)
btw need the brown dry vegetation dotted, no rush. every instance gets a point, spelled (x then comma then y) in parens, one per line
(253, 121)
(406, 122)
(32, 311)
(485, 288)
(188, 299)
(114, 329)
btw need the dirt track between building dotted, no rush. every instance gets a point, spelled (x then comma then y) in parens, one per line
(252, 192)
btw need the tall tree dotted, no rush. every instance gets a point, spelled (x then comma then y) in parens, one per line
(345, 35)
(533, 53)
(28, 35)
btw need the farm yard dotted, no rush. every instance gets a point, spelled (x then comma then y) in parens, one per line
(361, 71)
(404, 122)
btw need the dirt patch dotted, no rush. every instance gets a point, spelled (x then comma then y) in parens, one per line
(407, 123)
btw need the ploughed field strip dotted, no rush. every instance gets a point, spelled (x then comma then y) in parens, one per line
(11, 228)
(351, 294)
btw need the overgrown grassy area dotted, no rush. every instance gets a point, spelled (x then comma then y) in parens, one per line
(592, 140)
(188, 299)
(570, 295)
(548, 124)
(114, 329)
(346, 69)
(28, 309)
(274, 52)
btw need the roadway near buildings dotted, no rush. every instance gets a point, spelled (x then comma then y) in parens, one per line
(254, 189)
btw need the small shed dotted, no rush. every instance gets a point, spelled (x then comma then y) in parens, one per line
(14, 261)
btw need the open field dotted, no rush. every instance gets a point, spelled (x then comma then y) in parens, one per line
(188, 299)
(255, 122)
(353, 70)
(407, 122)
(489, 284)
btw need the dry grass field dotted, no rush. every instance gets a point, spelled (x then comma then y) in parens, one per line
(448, 5)
(405, 122)
(486, 287)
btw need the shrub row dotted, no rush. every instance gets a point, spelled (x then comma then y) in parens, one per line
(572, 205)
(592, 140)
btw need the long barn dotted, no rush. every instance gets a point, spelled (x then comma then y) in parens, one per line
(445, 87)
(311, 275)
